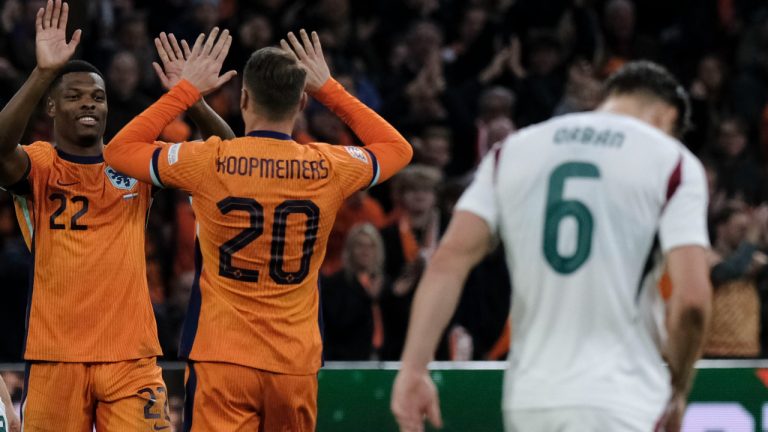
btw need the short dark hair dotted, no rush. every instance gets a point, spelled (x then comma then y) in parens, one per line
(655, 80)
(275, 80)
(75, 66)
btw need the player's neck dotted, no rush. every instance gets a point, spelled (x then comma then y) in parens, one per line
(629, 106)
(261, 124)
(94, 148)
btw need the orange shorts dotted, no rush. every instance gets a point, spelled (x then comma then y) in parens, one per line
(227, 398)
(73, 397)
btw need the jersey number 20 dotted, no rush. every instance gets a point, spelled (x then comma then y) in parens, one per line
(256, 228)
(559, 208)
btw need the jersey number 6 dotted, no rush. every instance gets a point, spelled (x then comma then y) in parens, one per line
(559, 208)
(277, 249)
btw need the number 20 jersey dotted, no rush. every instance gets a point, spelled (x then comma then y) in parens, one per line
(84, 224)
(264, 206)
(579, 203)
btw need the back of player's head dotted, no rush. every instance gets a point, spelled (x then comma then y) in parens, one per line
(275, 81)
(75, 66)
(651, 79)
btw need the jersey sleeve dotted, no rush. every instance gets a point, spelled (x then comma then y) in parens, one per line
(354, 168)
(41, 155)
(182, 165)
(480, 196)
(684, 218)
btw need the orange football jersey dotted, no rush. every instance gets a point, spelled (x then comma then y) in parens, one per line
(84, 224)
(265, 206)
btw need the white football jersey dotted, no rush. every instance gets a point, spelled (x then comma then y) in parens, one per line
(581, 203)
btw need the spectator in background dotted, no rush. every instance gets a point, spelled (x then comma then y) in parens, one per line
(351, 299)
(543, 83)
(582, 91)
(125, 101)
(170, 314)
(433, 147)
(494, 120)
(738, 265)
(707, 100)
(357, 209)
(408, 242)
(738, 173)
(133, 36)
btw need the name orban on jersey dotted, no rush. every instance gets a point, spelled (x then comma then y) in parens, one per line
(290, 169)
(589, 136)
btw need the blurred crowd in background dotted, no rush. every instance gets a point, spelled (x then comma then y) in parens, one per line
(455, 77)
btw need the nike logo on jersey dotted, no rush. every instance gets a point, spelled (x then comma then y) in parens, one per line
(156, 427)
(58, 182)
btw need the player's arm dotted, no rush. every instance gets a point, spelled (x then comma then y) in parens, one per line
(683, 235)
(52, 52)
(467, 240)
(173, 56)
(133, 150)
(390, 149)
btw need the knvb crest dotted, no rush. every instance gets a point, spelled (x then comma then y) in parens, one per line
(119, 180)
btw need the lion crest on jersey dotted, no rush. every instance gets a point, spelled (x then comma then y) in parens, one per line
(120, 180)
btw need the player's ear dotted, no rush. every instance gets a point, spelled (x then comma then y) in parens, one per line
(50, 107)
(303, 101)
(244, 99)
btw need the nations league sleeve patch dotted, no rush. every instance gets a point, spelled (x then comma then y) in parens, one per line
(173, 153)
(357, 153)
(119, 180)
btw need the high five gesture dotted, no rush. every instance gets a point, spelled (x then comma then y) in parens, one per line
(51, 46)
(204, 62)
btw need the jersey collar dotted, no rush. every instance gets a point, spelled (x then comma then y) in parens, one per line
(80, 159)
(270, 134)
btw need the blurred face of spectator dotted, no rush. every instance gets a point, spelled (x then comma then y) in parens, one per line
(731, 138)
(418, 200)
(133, 34)
(423, 41)
(544, 59)
(256, 33)
(472, 24)
(620, 19)
(363, 253)
(206, 14)
(496, 102)
(326, 126)
(711, 73)
(182, 289)
(436, 151)
(123, 74)
(734, 230)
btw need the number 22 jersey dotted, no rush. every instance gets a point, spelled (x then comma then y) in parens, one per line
(84, 224)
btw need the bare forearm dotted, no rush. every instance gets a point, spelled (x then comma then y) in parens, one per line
(436, 298)
(686, 327)
(5, 397)
(209, 122)
(17, 112)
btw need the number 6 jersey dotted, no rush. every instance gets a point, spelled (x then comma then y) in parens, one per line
(582, 203)
(84, 224)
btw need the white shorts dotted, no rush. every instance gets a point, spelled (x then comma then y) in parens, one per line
(582, 419)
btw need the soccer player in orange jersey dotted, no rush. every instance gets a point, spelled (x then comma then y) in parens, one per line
(91, 339)
(265, 206)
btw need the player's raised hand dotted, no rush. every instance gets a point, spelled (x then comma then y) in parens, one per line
(172, 58)
(310, 56)
(51, 46)
(414, 396)
(204, 62)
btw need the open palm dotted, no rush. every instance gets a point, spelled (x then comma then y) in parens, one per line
(172, 59)
(51, 47)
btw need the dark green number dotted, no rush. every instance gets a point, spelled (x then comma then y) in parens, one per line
(559, 208)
